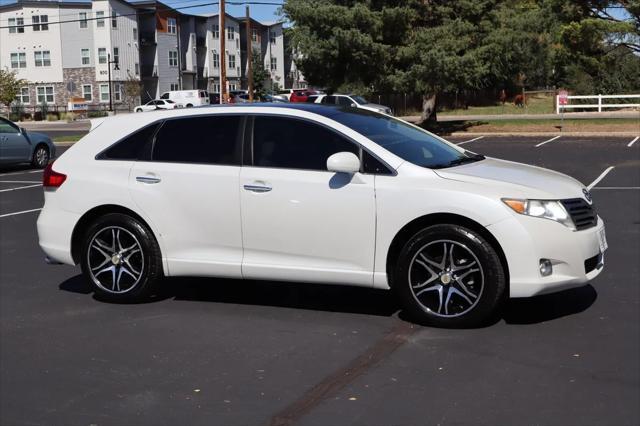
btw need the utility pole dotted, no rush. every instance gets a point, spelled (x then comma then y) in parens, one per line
(223, 57)
(115, 68)
(249, 57)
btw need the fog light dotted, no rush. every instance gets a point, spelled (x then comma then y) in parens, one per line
(546, 268)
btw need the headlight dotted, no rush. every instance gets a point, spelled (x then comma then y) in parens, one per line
(546, 209)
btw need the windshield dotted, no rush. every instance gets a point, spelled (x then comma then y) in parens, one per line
(407, 142)
(359, 100)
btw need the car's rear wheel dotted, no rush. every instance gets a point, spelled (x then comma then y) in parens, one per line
(40, 157)
(449, 276)
(121, 258)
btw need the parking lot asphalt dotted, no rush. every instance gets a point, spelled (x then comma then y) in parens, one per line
(212, 351)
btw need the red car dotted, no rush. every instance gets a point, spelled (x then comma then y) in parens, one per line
(301, 95)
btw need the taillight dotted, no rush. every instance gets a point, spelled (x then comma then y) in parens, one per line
(52, 179)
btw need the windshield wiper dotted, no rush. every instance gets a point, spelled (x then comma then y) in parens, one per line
(471, 158)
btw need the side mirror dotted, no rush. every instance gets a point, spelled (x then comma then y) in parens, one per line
(353, 105)
(343, 162)
(23, 131)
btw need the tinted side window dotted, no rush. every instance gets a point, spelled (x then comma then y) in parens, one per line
(207, 140)
(372, 165)
(344, 101)
(136, 146)
(329, 100)
(295, 144)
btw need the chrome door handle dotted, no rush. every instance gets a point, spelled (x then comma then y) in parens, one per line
(257, 188)
(147, 179)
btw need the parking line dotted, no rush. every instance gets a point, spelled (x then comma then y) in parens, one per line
(633, 141)
(20, 173)
(471, 140)
(22, 212)
(599, 178)
(19, 181)
(547, 141)
(20, 187)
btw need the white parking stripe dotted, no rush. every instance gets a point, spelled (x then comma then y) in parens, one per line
(599, 178)
(633, 141)
(547, 141)
(471, 140)
(20, 187)
(22, 212)
(20, 173)
(19, 181)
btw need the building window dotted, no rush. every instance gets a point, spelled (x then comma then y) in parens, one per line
(135, 34)
(114, 19)
(216, 31)
(173, 87)
(231, 33)
(23, 96)
(42, 58)
(85, 55)
(104, 93)
(116, 55)
(232, 87)
(40, 22)
(18, 60)
(99, 20)
(216, 60)
(274, 64)
(137, 68)
(172, 27)
(87, 92)
(216, 88)
(173, 58)
(254, 34)
(272, 37)
(102, 55)
(232, 61)
(45, 94)
(16, 25)
(83, 19)
(117, 93)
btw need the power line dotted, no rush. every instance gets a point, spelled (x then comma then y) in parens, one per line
(142, 12)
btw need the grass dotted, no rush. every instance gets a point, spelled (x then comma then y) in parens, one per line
(68, 138)
(537, 103)
(604, 125)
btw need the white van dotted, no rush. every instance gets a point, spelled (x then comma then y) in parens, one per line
(187, 98)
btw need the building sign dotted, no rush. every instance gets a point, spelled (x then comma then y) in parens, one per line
(77, 104)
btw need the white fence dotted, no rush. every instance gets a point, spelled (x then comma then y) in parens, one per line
(600, 105)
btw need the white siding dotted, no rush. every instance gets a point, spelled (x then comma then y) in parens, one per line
(74, 38)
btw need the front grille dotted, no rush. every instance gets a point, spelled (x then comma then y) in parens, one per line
(592, 263)
(582, 213)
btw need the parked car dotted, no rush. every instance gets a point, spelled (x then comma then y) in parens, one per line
(156, 104)
(275, 98)
(239, 98)
(352, 101)
(311, 99)
(18, 145)
(328, 195)
(301, 95)
(214, 98)
(187, 98)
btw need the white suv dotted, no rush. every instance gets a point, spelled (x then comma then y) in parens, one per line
(308, 193)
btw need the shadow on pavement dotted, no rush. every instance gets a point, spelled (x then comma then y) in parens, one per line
(444, 128)
(549, 306)
(336, 298)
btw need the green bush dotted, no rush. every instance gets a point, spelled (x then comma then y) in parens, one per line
(96, 114)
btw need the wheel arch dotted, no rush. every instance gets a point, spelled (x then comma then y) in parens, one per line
(88, 218)
(403, 235)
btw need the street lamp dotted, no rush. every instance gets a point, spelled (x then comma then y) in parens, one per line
(115, 68)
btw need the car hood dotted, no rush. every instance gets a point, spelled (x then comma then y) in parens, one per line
(516, 180)
(374, 106)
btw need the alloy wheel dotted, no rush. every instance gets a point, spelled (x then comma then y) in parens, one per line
(42, 157)
(115, 259)
(446, 278)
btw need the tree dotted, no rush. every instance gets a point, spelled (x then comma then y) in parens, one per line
(260, 74)
(9, 86)
(413, 46)
(132, 90)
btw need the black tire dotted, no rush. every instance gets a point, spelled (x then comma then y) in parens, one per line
(137, 110)
(145, 265)
(423, 294)
(189, 106)
(40, 157)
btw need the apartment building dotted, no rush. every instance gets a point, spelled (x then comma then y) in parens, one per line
(61, 60)
(65, 49)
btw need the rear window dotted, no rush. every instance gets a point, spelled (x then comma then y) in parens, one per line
(203, 140)
(136, 146)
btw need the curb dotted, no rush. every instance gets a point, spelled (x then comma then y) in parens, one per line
(549, 134)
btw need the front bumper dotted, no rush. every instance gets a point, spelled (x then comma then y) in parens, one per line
(576, 256)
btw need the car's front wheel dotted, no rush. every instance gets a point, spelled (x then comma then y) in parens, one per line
(40, 157)
(449, 276)
(121, 258)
